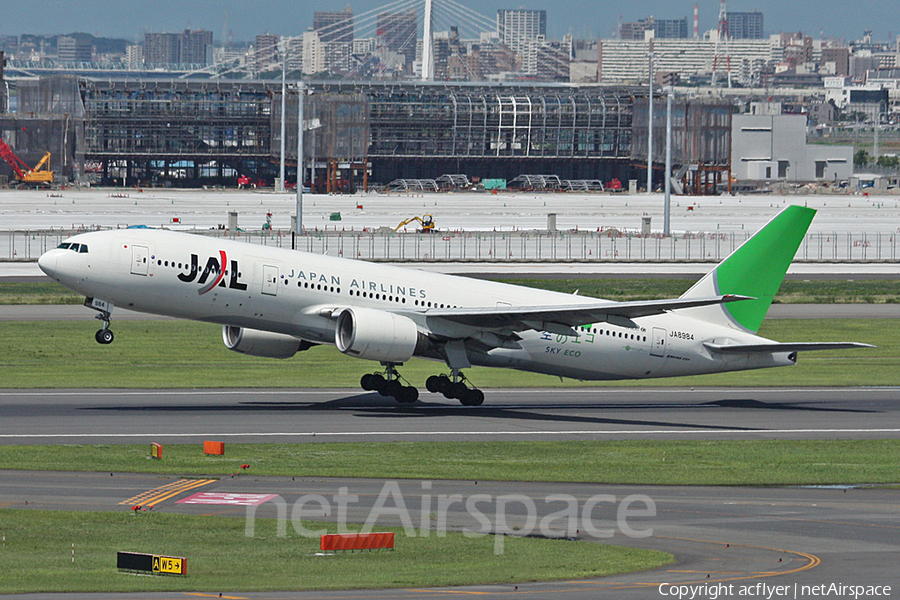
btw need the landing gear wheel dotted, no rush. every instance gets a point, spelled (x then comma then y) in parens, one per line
(407, 395)
(456, 390)
(391, 388)
(104, 336)
(365, 382)
(437, 384)
(377, 381)
(474, 398)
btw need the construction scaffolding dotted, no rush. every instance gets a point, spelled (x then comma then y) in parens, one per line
(701, 141)
(50, 119)
(188, 132)
(336, 140)
(201, 132)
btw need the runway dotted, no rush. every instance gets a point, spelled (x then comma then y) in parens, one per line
(310, 416)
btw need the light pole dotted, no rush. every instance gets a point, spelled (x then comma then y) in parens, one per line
(301, 94)
(667, 205)
(650, 126)
(283, 115)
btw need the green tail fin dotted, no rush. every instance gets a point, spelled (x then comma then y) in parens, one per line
(755, 269)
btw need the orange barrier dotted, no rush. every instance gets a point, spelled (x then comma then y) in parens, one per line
(357, 541)
(155, 451)
(214, 448)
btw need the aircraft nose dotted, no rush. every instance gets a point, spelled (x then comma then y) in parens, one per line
(47, 262)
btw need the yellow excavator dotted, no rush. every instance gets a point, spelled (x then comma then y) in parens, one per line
(427, 222)
(40, 175)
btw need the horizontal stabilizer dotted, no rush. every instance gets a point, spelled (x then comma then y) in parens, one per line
(786, 347)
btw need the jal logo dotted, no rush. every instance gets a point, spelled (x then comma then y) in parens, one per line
(213, 274)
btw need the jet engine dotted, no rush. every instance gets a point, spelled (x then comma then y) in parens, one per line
(376, 335)
(262, 343)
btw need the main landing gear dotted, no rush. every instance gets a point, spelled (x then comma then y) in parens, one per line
(453, 386)
(389, 384)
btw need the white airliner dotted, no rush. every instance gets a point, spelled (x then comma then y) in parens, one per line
(274, 303)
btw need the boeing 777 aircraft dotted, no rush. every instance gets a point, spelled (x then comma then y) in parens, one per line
(274, 303)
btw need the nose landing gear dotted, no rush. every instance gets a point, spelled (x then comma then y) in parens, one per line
(453, 386)
(104, 308)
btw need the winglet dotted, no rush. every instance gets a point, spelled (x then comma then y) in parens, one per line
(755, 269)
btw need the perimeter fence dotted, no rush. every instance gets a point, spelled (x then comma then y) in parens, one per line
(514, 246)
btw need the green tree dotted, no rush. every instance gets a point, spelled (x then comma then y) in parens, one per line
(888, 162)
(861, 158)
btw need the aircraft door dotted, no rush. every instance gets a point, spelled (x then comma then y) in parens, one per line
(658, 347)
(140, 260)
(270, 280)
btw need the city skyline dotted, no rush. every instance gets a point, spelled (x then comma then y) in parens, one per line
(129, 19)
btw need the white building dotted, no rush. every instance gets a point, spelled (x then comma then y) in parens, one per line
(523, 31)
(134, 57)
(625, 62)
(766, 147)
(313, 53)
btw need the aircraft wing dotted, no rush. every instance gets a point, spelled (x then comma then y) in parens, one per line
(560, 319)
(785, 347)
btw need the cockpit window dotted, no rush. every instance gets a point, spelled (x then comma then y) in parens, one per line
(80, 248)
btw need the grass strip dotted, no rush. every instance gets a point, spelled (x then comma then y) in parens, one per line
(37, 556)
(792, 291)
(177, 354)
(637, 462)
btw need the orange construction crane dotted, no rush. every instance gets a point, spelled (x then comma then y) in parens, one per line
(25, 175)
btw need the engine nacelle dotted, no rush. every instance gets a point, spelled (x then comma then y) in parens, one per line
(376, 335)
(262, 343)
